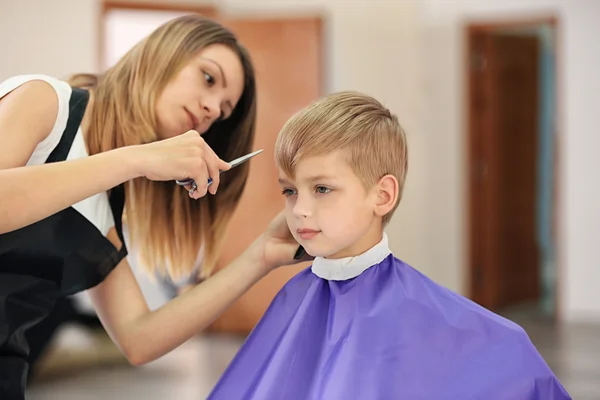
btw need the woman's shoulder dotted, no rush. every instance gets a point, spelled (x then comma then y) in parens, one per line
(61, 87)
(39, 85)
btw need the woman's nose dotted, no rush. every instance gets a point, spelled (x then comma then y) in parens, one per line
(212, 108)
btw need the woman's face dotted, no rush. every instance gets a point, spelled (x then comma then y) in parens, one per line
(207, 89)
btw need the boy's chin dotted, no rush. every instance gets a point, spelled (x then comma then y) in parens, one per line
(315, 251)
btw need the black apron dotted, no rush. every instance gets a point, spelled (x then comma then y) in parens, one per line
(58, 256)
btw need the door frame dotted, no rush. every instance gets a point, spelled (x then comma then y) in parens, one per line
(473, 28)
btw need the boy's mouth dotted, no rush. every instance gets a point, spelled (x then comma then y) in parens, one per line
(307, 234)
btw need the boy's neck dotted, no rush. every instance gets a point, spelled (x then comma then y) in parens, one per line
(350, 267)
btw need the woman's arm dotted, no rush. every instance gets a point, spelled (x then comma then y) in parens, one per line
(144, 336)
(29, 194)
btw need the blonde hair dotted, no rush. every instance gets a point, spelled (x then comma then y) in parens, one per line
(370, 136)
(167, 227)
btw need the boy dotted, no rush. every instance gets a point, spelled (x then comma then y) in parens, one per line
(361, 324)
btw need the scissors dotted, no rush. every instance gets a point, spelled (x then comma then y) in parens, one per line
(233, 164)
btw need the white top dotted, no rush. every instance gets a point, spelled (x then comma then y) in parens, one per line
(342, 269)
(95, 209)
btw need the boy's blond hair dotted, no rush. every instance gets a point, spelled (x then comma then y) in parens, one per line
(369, 134)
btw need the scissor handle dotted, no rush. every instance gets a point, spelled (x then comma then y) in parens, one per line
(233, 163)
(191, 182)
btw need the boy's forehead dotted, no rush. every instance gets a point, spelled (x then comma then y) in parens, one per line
(324, 165)
(314, 162)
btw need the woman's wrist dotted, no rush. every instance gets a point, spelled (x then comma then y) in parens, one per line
(254, 257)
(134, 159)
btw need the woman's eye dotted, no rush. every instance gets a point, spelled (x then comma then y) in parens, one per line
(323, 189)
(209, 79)
(288, 192)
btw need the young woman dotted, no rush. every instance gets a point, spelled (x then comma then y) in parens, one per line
(77, 156)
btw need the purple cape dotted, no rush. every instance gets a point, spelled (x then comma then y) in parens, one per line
(390, 333)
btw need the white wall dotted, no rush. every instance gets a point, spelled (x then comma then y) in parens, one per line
(38, 36)
(408, 53)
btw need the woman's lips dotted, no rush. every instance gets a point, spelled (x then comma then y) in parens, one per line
(193, 120)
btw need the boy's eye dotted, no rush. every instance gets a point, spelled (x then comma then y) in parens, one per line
(323, 189)
(288, 192)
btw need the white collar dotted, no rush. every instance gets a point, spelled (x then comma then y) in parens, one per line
(342, 269)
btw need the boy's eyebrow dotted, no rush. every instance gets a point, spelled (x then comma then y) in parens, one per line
(320, 177)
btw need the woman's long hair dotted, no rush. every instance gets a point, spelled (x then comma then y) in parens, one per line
(167, 228)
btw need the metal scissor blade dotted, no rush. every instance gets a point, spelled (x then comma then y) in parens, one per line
(242, 159)
(233, 164)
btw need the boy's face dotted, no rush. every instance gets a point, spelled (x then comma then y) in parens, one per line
(328, 210)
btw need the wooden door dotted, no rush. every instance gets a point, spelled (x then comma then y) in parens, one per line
(503, 146)
(287, 58)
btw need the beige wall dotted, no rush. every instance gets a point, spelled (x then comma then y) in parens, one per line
(408, 54)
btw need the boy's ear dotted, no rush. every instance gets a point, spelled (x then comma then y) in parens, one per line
(387, 195)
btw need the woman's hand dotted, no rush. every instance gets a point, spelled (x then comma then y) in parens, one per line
(182, 157)
(277, 247)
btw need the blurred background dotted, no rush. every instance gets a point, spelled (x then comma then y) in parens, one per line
(499, 99)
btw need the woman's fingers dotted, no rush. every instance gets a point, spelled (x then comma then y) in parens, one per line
(223, 165)
(187, 156)
(190, 189)
(214, 173)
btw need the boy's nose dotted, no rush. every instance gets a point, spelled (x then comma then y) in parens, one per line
(302, 208)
